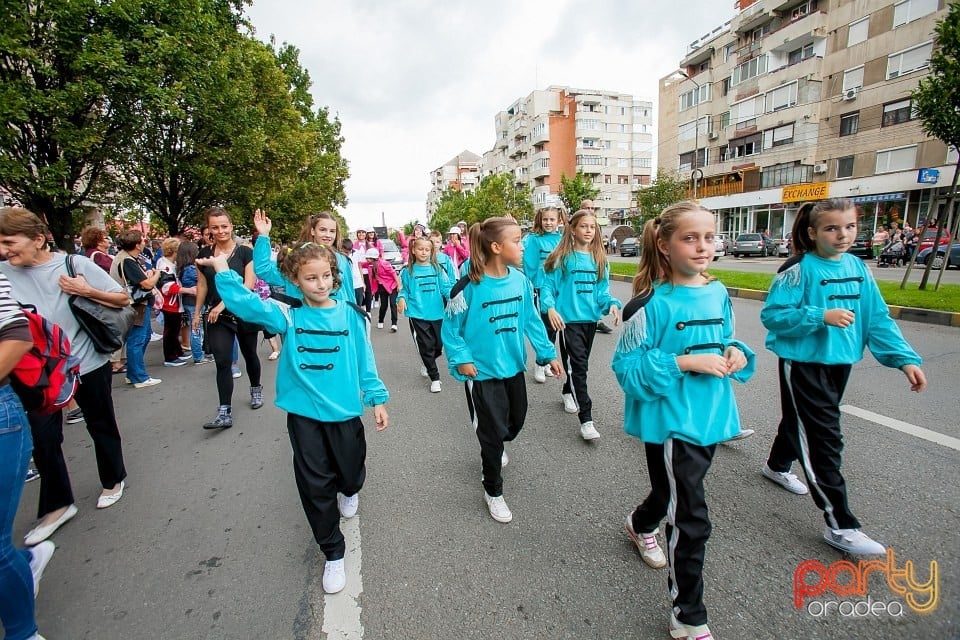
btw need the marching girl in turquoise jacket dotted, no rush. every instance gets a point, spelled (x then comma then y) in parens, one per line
(423, 291)
(676, 360)
(575, 294)
(321, 228)
(822, 311)
(325, 378)
(489, 316)
(538, 244)
(445, 261)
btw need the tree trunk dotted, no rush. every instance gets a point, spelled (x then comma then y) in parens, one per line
(950, 227)
(940, 223)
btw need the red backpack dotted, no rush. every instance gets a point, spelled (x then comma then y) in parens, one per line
(46, 376)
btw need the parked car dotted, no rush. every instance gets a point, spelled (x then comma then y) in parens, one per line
(924, 256)
(753, 244)
(727, 242)
(861, 246)
(926, 242)
(629, 247)
(719, 247)
(783, 246)
(391, 253)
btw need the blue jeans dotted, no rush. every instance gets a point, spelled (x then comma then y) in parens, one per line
(137, 341)
(16, 580)
(196, 337)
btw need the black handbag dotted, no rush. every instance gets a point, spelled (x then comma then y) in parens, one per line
(106, 326)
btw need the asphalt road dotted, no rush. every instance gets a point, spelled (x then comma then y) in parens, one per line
(210, 541)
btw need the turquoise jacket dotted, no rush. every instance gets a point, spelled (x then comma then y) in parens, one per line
(808, 286)
(574, 292)
(266, 269)
(446, 262)
(425, 291)
(326, 369)
(486, 323)
(660, 400)
(536, 248)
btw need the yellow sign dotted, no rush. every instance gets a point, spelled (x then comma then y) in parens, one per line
(816, 191)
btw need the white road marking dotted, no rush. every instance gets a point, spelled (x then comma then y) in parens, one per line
(341, 611)
(904, 427)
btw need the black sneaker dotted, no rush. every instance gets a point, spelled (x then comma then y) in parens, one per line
(75, 416)
(603, 328)
(256, 397)
(223, 420)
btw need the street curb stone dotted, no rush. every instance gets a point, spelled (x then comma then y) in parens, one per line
(910, 314)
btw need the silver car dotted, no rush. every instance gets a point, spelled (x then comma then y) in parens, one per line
(759, 244)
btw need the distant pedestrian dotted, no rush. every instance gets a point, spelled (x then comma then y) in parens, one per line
(879, 240)
(385, 284)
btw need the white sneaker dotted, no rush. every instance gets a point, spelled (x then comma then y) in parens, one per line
(155, 336)
(423, 371)
(688, 631)
(334, 576)
(547, 371)
(149, 382)
(647, 545)
(393, 328)
(435, 386)
(570, 403)
(785, 479)
(348, 505)
(39, 557)
(538, 374)
(588, 431)
(499, 510)
(742, 435)
(379, 325)
(853, 541)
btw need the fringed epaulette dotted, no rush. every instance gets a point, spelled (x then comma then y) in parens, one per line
(789, 272)
(458, 302)
(634, 323)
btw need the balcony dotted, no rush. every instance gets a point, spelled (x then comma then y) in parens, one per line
(537, 170)
(540, 135)
(798, 32)
(752, 17)
(722, 189)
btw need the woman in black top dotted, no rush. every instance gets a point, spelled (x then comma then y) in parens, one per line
(223, 326)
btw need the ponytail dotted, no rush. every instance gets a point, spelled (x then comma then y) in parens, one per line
(651, 265)
(482, 235)
(807, 219)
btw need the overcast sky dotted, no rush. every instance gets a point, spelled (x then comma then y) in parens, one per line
(415, 82)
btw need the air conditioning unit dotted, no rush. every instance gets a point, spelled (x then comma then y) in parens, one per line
(820, 168)
(713, 135)
(851, 94)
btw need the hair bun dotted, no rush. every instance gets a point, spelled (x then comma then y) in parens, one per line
(656, 221)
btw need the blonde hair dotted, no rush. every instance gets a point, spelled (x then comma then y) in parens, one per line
(654, 266)
(482, 235)
(538, 219)
(411, 259)
(170, 246)
(558, 257)
(303, 253)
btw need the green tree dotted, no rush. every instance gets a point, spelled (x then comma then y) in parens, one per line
(575, 190)
(937, 102)
(496, 195)
(667, 189)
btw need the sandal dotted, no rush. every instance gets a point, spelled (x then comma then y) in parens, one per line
(274, 355)
(121, 369)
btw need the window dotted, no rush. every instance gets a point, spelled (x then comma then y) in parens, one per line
(857, 32)
(849, 124)
(694, 97)
(726, 86)
(951, 156)
(607, 179)
(704, 66)
(588, 125)
(623, 146)
(623, 179)
(896, 159)
(746, 146)
(686, 159)
(896, 112)
(781, 97)
(623, 163)
(590, 161)
(724, 119)
(845, 167)
(590, 143)
(910, 10)
(787, 173)
(910, 60)
(853, 78)
(778, 136)
(749, 69)
(744, 113)
(692, 129)
(759, 32)
(641, 163)
(728, 50)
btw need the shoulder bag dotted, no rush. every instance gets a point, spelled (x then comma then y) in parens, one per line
(106, 326)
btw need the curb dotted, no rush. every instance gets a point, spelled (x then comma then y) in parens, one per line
(909, 314)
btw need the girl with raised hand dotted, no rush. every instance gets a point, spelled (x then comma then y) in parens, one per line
(538, 244)
(822, 310)
(423, 290)
(325, 378)
(321, 228)
(489, 315)
(575, 294)
(675, 361)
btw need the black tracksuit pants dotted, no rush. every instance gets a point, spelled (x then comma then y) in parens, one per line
(809, 431)
(426, 333)
(497, 410)
(328, 457)
(551, 332)
(677, 469)
(576, 342)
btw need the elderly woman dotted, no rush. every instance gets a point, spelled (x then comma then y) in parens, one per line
(39, 276)
(96, 243)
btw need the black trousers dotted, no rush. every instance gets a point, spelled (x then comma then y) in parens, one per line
(809, 431)
(576, 342)
(426, 333)
(367, 294)
(328, 457)
(387, 298)
(220, 339)
(551, 332)
(497, 410)
(95, 397)
(677, 470)
(172, 320)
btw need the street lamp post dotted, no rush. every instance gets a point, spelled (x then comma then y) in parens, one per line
(696, 132)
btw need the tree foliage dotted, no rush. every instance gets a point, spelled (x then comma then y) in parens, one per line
(496, 195)
(667, 189)
(575, 190)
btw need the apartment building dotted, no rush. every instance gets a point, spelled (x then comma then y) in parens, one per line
(460, 173)
(796, 100)
(561, 130)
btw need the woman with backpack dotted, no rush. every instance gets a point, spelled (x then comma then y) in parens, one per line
(40, 276)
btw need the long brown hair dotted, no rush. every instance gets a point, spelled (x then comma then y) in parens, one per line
(654, 265)
(558, 257)
(538, 219)
(306, 232)
(411, 259)
(482, 235)
(807, 218)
